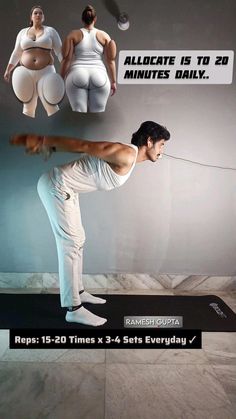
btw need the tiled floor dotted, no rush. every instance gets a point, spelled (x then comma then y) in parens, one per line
(122, 383)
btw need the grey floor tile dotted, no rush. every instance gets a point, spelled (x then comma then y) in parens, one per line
(220, 348)
(227, 377)
(84, 356)
(51, 391)
(96, 356)
(4, 342)
(156, 356)
(157, 392)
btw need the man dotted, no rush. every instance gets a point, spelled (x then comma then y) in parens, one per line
(104, 166)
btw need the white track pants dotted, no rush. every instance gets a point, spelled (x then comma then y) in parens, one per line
(62, 206)
(46, 84)
(88, 88)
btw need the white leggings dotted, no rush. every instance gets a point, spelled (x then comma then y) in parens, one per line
(88, 88)
(62, 206)
(46, 84)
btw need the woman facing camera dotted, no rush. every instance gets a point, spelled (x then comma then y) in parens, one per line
(36, 76)
(87, 83)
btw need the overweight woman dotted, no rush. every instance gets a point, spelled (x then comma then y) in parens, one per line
(88, 85)
(36, 75)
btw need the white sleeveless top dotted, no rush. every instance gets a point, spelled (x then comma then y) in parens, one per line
(88, 52)
(89, 174)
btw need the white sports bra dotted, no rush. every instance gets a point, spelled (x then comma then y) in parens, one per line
(43, 41)
(48, 40)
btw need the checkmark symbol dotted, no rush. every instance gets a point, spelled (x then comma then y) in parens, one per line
(191, 340)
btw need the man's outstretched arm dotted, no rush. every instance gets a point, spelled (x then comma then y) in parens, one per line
(112, 152)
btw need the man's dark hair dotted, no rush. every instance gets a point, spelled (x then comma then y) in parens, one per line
(149, 129)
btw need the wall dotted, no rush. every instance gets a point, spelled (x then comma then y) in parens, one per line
(172, 216)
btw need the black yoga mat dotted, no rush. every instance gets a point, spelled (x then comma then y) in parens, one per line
(31, 311)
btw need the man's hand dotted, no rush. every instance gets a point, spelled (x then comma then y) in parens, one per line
(33, 143)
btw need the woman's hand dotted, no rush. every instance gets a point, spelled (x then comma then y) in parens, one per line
(7, 76)
(113, 88)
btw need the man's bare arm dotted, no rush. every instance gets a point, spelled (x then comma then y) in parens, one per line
(112, 152)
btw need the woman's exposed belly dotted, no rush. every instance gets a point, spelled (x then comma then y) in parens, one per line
(36, 58)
